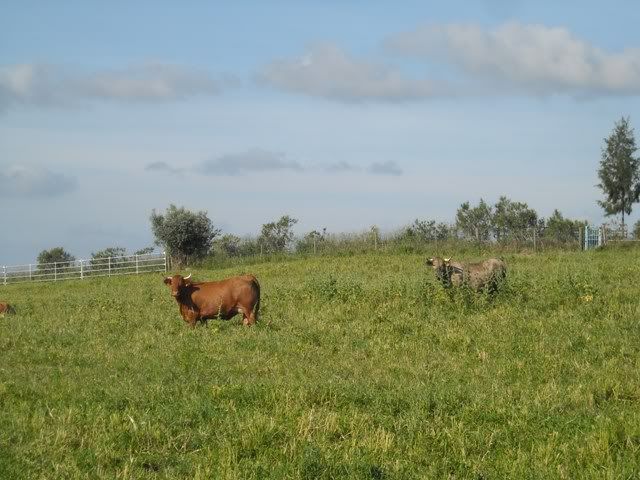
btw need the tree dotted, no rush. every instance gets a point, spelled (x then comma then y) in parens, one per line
(428, 230)
(636, 230)
(228, 245)
(144, 251)
(475, 222)
(56, 255)
(185, 235)
(109, 258)
(512, 219)
(311, 241)
(54, 260)
(561, 229)
(276, 236)
(619, 171)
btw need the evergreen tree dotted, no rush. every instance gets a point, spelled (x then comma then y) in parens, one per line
(619, 171)
(475, 222)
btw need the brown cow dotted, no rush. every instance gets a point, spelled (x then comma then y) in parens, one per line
(200, 301)
(487, 274)
(6, 308)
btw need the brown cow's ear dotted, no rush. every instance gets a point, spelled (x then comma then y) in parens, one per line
(167, 280)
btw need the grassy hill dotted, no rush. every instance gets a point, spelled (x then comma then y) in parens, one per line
(361, 367)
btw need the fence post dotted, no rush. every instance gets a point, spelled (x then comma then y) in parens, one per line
(109, 266)
(55, 271)
(30, 277)
(81, 271)
(166, 265)
(4, 274)
(580, 237)
(534, 239)
(136, 264)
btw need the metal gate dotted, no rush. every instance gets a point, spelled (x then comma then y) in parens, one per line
(593, 237)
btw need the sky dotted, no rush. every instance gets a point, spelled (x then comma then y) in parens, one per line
(343, 114)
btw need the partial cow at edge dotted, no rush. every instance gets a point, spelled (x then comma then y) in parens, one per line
(201, 301)
(6, 308)
(485, 275)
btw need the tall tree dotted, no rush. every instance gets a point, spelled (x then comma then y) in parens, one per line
(276, 236)
(475, 222)
(619, 171)
(512, 220)
(56, 255)
(54, 259)
(562, 230)
(112, 257)
(184, 234)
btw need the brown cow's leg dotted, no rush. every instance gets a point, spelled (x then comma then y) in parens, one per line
(250, 318)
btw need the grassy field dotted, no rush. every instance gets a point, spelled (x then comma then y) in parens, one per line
(361, 367)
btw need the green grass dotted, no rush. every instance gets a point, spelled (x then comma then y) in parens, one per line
(361, 367)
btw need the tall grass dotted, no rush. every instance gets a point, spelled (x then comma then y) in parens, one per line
(362, 366)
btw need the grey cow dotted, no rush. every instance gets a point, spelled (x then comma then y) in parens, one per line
(487, 274)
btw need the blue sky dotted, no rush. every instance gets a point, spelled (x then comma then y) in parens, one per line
(343, 114)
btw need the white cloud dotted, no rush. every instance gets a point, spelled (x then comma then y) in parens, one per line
(163, 167)
(532, 58)
(254, 160)
(340, 167)
(262, 161)
(30, 181)
(385, 168)
(46, 85)
(327, 71)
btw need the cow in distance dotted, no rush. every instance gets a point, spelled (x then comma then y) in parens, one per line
(201, 301)
(6, 308)
(485, 275)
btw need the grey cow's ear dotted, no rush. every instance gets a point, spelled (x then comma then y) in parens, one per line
(429, 261)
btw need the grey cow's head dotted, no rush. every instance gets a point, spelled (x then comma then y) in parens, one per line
(442, 268)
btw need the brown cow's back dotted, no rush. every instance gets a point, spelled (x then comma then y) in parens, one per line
(6, 308)
(225, 298)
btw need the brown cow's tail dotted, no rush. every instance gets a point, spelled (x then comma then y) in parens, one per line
(255, 286)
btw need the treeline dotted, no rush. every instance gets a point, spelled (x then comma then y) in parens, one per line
(508, 225)
(191, 236)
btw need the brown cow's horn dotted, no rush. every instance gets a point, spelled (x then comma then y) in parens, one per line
(187, 277)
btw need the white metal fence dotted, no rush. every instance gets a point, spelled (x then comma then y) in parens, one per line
(84, 268)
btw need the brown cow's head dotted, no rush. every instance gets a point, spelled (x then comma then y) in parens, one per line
(178, 284)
